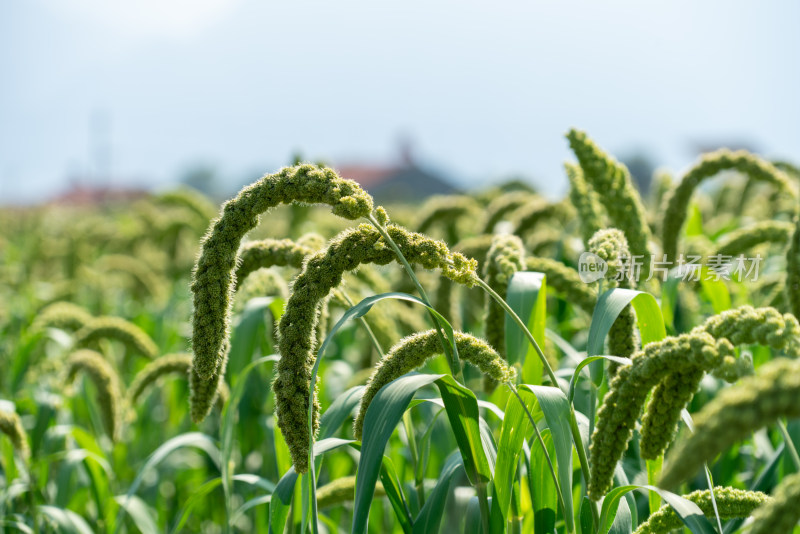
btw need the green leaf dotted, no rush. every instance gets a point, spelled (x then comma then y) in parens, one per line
(430, 516)
(394, 491)
(556, 409)
(67, 521)
(22, 527)
(694, 221)
(229, 413)
(143, 516)
(623, 522)
(609, 305)
(284, 490)
(472, 523)
(513, 432)
(194, 499)
(252, 503)
(359, 310)
(585, 515)
(715, 290)
(586, 361)
(248, 333)
(542, 487)
(527, 296)
(461, 406)
(190, 439)
(383, 415)
(653, 474)
(339, 410)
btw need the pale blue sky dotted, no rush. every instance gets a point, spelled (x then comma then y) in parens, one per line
(485, 89)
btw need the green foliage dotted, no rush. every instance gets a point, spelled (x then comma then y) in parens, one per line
(441, 447)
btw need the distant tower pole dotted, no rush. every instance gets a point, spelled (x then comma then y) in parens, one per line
(100, 143)
(406, 150)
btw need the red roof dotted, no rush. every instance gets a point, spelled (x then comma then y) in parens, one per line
(83, 195)
(366, 175)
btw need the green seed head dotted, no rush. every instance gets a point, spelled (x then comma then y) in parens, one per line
(413, 351)
(116, 328)
(734, 414)
(446, 211)
(792, 289)
(64, 315)
(506, 256)
(322, 272)
(611, 181)
(623, 404)
(270, 252)
(145, 280)
(611, 246)
(676, 202)
(731, 503)
(501, 207)
(341, 490)
(529, 216)
(476, 247)
(165, 365)
(203, 394)
(191, 199)
(11, 426)
(746, 325)
(780, 513)
(739, 326)
(214, 277)
(106, 382)
(742, 240)
(312, 240)
(586, 202)
(566, 281)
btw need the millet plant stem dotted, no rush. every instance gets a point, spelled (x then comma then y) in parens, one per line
(363, 322)
(415, 460)
(450, 352)
(573, 423)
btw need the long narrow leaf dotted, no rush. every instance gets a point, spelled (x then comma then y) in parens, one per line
(527, 296)
(430, 516)
(556, 410)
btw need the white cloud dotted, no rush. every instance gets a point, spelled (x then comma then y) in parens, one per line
(162, 18)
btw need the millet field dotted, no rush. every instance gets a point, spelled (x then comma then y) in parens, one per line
(302, 359)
